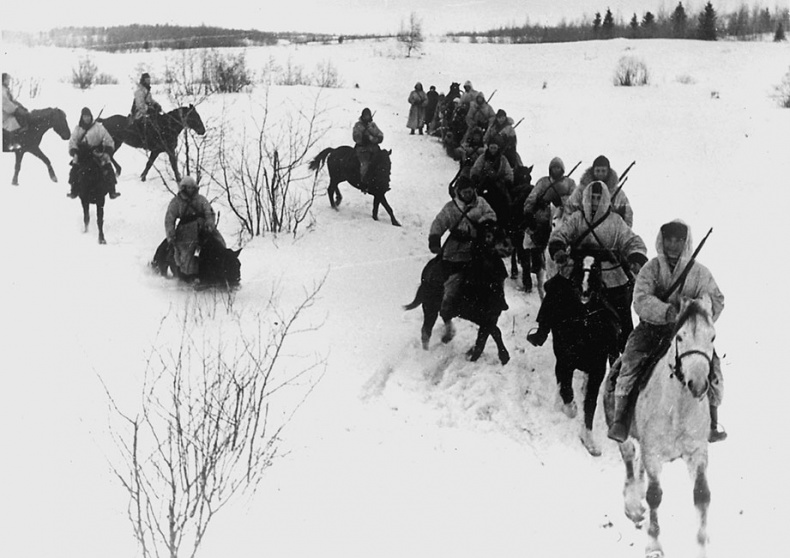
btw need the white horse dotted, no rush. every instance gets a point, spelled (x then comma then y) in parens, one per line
(672, 420)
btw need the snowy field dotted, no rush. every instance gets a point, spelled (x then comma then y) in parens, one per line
(401, 452)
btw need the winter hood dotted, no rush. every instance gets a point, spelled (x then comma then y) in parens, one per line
(684, 256)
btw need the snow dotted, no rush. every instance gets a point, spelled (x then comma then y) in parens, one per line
(399, 451)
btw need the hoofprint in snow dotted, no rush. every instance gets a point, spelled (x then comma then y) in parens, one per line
(401, 451)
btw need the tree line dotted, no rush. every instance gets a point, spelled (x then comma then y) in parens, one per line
(743, 24)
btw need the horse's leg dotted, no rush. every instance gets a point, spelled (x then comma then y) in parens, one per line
(563, 372)
(174, 163)
(430, 311)
(376, 203)
(40, 154)
(151, 158)
(654, 495)
(86, 215)
(114, 162)
(483, 331)
(633, 491)
(504, 356)
(541, 279)
(593, 385)
(17, 165)
(100, 221)
(385, 203)
(331, 191)
(698, 468)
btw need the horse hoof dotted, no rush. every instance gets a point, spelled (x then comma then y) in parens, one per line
(473, 355)
(14, 183)
(504, 357)
(395, 223)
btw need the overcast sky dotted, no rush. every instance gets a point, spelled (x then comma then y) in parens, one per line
(337, 16)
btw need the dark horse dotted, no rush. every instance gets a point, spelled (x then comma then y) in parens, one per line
(91, 179)
(584, 330)
(482, 298)
(160, 136)
(29, 138)
(217, 265)
(671, 420)
(343, 166)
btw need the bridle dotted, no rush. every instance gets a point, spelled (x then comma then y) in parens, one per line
(677, 369)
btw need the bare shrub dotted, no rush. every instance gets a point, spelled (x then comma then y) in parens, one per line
(410, 36)
(216, 397)
(292, 74)
(686, 79)
(782, 91)
(105, 79)
(631, 71)
(84, 75)
(326, 75)
(262, 172)
(226, 73)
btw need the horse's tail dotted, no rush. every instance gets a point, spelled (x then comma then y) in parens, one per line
(418, 298)
(320, 159)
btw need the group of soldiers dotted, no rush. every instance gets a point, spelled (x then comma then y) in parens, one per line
(564, 220)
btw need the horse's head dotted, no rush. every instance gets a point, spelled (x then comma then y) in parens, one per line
(60, 124)
(381, 168)
(586, 277)
(522, 176)
(192, 119)
(692, 345)
(455, 88)
(493, 239)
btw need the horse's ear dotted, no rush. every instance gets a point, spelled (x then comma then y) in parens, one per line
(706, 302)
(389, 151)
(237, 252)
(529, 168)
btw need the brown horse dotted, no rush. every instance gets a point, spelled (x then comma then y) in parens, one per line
(160, 135)
(343, 166)
(29, 138)
(672, 420)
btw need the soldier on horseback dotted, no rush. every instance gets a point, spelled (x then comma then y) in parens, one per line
(14, 116)
(195, 216)
(460, 217)
(144, 107)
(503, 129)
(92, 134)
(598, 229)
(602, 171)
(367, 138)
(657, 303)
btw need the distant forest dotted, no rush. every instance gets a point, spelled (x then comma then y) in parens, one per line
(743, 24)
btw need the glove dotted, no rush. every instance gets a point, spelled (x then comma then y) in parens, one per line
(635, 268)
(434, 244)
(672, 314)
(560, 257)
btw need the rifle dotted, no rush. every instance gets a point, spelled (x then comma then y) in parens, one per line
(621, 182)
(553, 184)
(682, 277)
(517, 123)
(491, 96)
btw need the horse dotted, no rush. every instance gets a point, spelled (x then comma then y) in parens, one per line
(584, 329)
(671, 420)
(217, 265)
(160, 135)
(343, 166)
(479, 303)
(29, 138)
(90, 178)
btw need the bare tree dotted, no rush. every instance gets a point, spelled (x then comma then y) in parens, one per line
(411, 36)
(214, 406)
(261, 175)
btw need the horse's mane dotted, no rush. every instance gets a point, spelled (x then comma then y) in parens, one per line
(41, 113)
(693, 309)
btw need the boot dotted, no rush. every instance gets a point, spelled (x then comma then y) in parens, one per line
(588, 440)
(716, 435)
(538, 336)
(619, 429)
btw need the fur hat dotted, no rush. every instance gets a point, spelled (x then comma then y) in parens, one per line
(86, 110)
(188, 182)
(501, 112)
(596, 187)
(674, 229)
(463, 182)
(480, 96)
(601, 161)
(366, 112)
(468, 84)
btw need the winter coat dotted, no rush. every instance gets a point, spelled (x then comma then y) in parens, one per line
(620, 204)
(656, 277)
(495, 168)
(480, 115)
(96, 136)
(458, 247)
(548, 192)
(193, 215)
(143, 102)
(614, 234)
(430, 108)
(10, 106)
(417, 99)
(468, 97)
(505, 133)
(366, 136)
